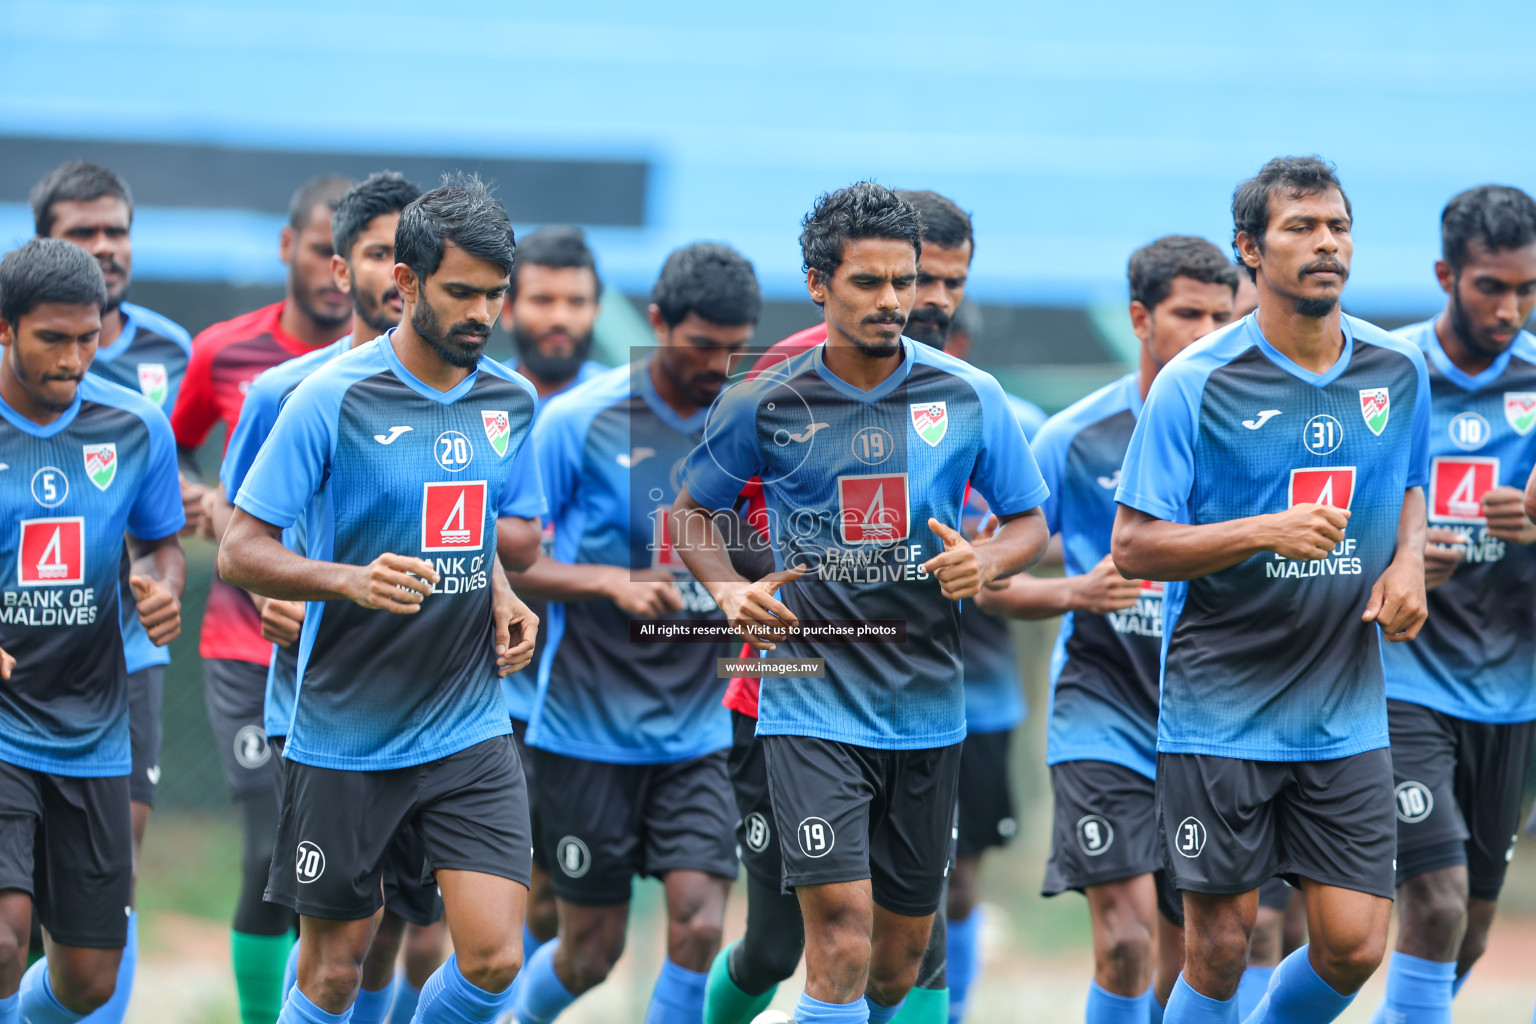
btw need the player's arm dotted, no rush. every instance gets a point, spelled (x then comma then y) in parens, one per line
(1100, 590)
(1148, 548)
(517, 541)
(749, 606)
(158, 580)
(645, 593)
(516, 626)
(1397, 601)
(252, 556)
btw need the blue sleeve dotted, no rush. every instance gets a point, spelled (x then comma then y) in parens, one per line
(292, 464)
(1030, 416)
(1418, 457)
(257, 415)
(1050, 451)
(729, 457)
(1158, 475)
(523, 495)
(1005, 471)
(557, 437)
(157, 511)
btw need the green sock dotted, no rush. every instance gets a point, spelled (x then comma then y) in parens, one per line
(260, 961)
(924, 1006)
(724, 1003)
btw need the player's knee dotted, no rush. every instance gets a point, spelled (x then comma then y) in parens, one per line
(335, 981)
(1348, 967)
(769, 957)
(492, 970)
(1127, 953)
(13, 947)
(589, 961)
(890, 983)
(90, 992)
(695, 937)
(1439, 917)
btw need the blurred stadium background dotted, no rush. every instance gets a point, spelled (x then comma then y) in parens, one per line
(1074, 132)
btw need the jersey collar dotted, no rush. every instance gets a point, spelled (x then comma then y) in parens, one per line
(1456, 375)
(1317, 380)
(875, 393)
(386, 343)
(25, 425)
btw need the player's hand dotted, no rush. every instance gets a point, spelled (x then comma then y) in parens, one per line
(159, 610)
(1102, 590)
(1444, 550)
(749, 607)
(960, 572)
(1306, 532)
(517, 627)
(1504, 508)
(281, 621)
(1397, 601)
(7, 664)
(645, 593)
(988, 529)
(211, 498)
(393, 583)
(192, 494)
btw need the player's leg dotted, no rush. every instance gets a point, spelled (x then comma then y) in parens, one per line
(1293, 933)
(425, 950)
(590, 822)
(1337, 833)
(410, 899)
(928, 1002)
(986, 820)
(689, 844)
(542, 920)
(1266, 947)
(1431, 879)
(473, 824)
(376, 990)
(1104, 843)
(1170, 945)
(261, 935)
(745, 974)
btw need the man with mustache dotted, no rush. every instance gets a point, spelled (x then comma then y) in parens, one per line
(627, 734)
(862, 761)
(550, 312)
(363, 231)
(1462, 697)
(399, 720)
(88, 463)
(1275, 480)
(89, 205)
(226, 358)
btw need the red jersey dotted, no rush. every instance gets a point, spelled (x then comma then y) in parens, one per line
(741, 693)
(225, 359)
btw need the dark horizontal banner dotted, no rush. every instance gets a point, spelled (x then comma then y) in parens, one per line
(809, 631)
(596, 192)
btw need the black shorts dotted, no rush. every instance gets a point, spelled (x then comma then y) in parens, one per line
(846, 812)
(756, 838)
(1104, 830)
(987, 811)
(525, 755)
(410, 890)
(68, 843)
(146, 689)
(1231, 824)
(1459, 788)
(602, 824)
(235, 692)
(338, 828)
(1275, 894)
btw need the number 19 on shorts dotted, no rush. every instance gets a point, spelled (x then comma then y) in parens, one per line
(816, 837)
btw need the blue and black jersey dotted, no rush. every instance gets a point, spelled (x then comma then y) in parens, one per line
(1475, 658)
(1268, 659)
(994, 693)
(375, 461)
(1104, 668)
(851, 478)
(149, 357)
(609, 454)
(258, 415)
(105, 467)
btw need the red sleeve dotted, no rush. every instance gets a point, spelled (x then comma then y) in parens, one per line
(195, 413)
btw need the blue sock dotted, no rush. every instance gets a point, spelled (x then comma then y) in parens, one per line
(406, 998)
(1417, 990)
(678, 997)
(38, 1004)
(1298, 995)
(964, 963)
(373, 1007)
(1461, 979)
(814, 1011)
(291, 972)
(543, 995)
(879, 1013)
(297, 1009)
(1104, 1007)
(115, 1009)
(1186, 1006)
(10, 1009)
(1254, 983)
(450, 998)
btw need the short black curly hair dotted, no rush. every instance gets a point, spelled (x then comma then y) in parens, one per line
(862, 210)
(1153, 267)
(1298, 175)
(1500, 217)
(49, 270)
(712, 280)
